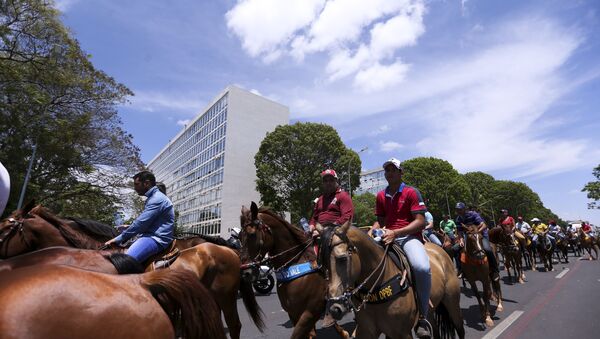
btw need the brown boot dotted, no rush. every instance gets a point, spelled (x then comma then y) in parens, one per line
(328, 321)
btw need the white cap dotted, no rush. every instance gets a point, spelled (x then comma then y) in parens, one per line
(535, 219)
(393, 161)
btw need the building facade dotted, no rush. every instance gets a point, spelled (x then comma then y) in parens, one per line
(208, 168)
(372, 181)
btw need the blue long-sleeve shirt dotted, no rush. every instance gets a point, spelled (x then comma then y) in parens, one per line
(470, 218)
(156, 221)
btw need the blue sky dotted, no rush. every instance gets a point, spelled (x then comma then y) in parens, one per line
(506, 87)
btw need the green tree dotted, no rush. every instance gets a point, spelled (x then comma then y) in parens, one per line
(593, 189)
(364, 209)
(290, 159)
(51, 96)
(437, 180)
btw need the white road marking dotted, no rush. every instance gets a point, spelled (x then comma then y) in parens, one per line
(497, 331)
(562, 274)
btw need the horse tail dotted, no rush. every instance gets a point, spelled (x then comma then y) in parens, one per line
(251, 305)
(445, 326)
(189, 305)
(125, 264)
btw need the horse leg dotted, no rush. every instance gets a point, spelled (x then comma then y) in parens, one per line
(487, 292)
(340, 330)
(304, 327)
(451, 301)
(228, 303)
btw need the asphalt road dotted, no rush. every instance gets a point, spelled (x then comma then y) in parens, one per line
(559, 304)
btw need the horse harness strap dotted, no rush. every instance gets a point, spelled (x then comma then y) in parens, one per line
(386, 291)
(15, 227)
(167, 257)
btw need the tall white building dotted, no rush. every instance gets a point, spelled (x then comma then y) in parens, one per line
(372, 181)
(208, 167)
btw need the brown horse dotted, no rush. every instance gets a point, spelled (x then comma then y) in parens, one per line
(509, 246)
(476, 268)
(588, 244)
(545, 250)
(264, 232)
(216, 266)
(65, 302)
(562, 248)
(359, 272)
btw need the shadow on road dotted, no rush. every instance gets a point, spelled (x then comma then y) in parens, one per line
(331, 333)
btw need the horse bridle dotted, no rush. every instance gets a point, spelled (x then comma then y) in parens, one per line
(479, 248)
(16, 226)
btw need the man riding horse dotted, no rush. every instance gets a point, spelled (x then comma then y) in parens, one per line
(400, 209)
(333, 208)
(539, 228)
(465, 217)
(156, 223)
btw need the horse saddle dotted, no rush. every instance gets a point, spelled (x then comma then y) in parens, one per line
(165, 258)
(396, 253)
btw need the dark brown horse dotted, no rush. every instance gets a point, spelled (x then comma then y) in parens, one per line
(475, 268)
(264, 232)
(545, 250)
(510, 248)
(65, 302)
(353, 260)
(562, 248)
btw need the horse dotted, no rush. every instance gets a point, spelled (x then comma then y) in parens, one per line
(509, 246)
(562, 247)
(358, 270)
(545, 249)
(574, 243)
(475, 268)
(217, 266)
(55, 301)
(263, 232)
(588, 244)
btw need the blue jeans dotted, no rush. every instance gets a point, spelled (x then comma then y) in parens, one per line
(419, 261)
(143, 248)
(434, 239)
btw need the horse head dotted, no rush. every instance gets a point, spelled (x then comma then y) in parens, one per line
(340, 261)
(16, 234)
(474, 242)
(255, 235)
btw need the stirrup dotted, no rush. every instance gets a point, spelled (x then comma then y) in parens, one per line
(426, 325)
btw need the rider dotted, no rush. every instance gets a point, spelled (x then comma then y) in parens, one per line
(523, 226)
(465, 217)
(448, 226)
(4, 188)
(429, 229)
(334, 207)
(555, 232)
(538, 228)
(156, 223)
(588, 230)
(508, 223)
(400, 209)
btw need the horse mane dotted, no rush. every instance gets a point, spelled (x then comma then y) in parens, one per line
(124, 263)
(297, 233)
(74, 238)
(217, 240)
(95, 229)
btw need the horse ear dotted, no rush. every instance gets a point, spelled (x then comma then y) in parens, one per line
(244, 209)
(254, 210)
(345, 226)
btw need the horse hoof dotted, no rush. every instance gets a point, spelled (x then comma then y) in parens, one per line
(521, 281)
(489, 322)
(499, 308)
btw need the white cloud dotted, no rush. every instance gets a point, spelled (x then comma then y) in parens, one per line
(183, 122)
(336, 27)
(389, 146)
(154, 101)
(64, 5)
(382, 129)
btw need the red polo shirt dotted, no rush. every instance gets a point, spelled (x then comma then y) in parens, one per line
(333, 209)
(399, 210)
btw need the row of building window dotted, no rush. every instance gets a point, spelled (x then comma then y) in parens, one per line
(204, 125)
(210, 228)
(199, 153)
(201, 199)
(204, 214)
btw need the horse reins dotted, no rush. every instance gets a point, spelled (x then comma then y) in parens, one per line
(15, 227)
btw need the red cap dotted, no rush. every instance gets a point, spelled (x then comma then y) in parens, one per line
(329, 172)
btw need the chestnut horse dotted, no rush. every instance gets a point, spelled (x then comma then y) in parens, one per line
(65, 302)
(216, 266)
(588, 244)
(475, 268)
(355, 262)
(264, 232)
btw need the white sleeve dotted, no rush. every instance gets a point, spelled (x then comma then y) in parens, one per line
(4, 188)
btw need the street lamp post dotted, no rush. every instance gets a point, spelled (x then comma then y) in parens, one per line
(349, 176)
(446, 194)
